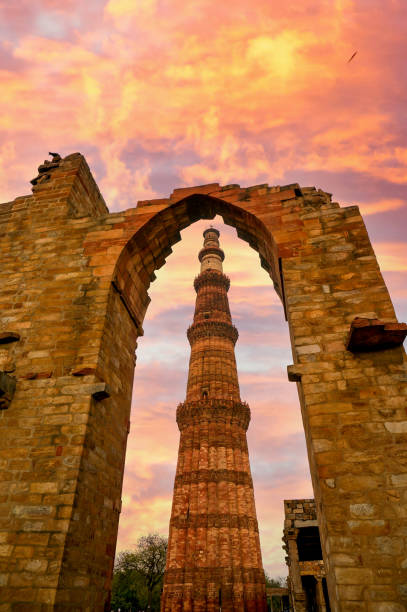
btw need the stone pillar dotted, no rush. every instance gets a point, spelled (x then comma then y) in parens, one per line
(294, 564)
(320, 595)
(294, 573)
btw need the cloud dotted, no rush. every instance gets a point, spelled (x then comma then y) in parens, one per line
(242, 105)
(381, 206)
(392, 257)
(120, 9)
(164, 94)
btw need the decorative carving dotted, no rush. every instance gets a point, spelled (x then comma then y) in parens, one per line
(209, 250)
(209, 328)
(212, 410)
(212, 277)
(196, 476)
(224, 530)
(204, 575)
(223, 442)
(214, 520)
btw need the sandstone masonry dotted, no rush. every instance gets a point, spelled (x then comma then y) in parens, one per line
(214, 559)
(73, 295)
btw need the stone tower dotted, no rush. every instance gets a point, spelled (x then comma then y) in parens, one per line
(214, 559)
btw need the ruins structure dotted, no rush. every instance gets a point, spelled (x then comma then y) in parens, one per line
(73, 295)
(214, 559)
(306, 571)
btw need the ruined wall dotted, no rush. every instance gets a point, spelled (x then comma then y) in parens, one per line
(301, 514)
(73, 287)
(61, 448)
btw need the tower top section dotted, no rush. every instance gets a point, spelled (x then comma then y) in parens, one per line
(211, 255)
(211, 229)
(212, 368)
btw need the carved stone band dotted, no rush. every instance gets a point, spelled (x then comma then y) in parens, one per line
(207, 329)
(214, 520)
(212, 277)
(234, 476)
(206, 575)
(223, 442)
(211, 250)
(214, 410)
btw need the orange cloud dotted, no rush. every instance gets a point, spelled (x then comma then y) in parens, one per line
(381, 206)
(259, 99)
(392, 256)
(162, 94)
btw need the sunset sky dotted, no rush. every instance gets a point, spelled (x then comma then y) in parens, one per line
(159, 94)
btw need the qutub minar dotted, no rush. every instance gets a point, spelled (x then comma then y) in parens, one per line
(214, 559)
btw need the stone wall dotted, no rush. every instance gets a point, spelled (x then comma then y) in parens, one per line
(74, 288)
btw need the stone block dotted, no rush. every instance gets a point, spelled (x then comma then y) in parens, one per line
(385, 606)
(358, 576)
(396, 427)
(362, 510)
(369, 527)
(374, 335)
(294, 373)
(399, 480)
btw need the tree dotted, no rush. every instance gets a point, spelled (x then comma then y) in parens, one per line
(150, 556)
(275, 582)
(127, 586)
(138, 575)
(274, 602)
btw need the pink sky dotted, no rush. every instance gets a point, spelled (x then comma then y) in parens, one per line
(160, 94)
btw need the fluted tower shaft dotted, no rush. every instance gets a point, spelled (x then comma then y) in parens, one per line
(214, 559)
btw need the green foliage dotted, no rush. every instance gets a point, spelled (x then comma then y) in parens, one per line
(274, 602)
(275, 582)
(138, 576)
(126, 591)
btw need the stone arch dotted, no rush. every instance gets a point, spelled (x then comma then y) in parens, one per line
(300, 257)
(147, 249)
(69, 418)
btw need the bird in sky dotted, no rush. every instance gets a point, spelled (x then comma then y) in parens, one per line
(349, 60)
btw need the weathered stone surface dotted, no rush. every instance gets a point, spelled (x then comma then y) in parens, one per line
(214, 557)
(80, 277)
(99, 391)
(374, 335)
(300, 514)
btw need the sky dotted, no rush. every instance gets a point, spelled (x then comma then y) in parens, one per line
(159, 94)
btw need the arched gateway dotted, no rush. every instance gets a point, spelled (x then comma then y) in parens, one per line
(73, 294)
